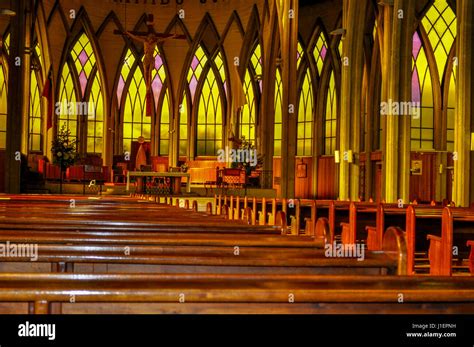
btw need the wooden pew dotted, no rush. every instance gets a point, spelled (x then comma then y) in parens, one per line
(203, 293)
(441, 247)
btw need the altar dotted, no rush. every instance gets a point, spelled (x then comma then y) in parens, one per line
(174, 176)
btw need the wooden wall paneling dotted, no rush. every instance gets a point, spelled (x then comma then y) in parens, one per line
(327, 173)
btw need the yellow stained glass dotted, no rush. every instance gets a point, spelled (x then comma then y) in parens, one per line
(248, 112)
(320, 52)
(6, 43)
(165, 126)
(305, 118)
(95, 120)
(422, 127)
(3, 107)
(257, 60)
(330, 119)
(66, 110)
(208, 141)
(183, 127)
(299, 55)
(35, 119)
(136, 123)
(277, 132)
(440, 26)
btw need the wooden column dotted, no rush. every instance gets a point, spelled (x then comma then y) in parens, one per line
(354, 17)
(463, 185)
(17, 97)
(289, 46)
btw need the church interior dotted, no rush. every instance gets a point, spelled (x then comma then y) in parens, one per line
(236, 156)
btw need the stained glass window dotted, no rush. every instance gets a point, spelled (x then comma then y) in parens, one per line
(422, 133)
(66, 109)
(81, 70)
(197, 67)
(320, 52)
(35, 119)
(126, 68)
(278, 115)
(304, 145)
(95, 119)
(253, 77)
(440, 26)
(3, 105)
(299, 55)
(330, 119)
(209, 117)
(84, 61)
(165, 125)
(219, 61)
(135, 121)
(183, 127)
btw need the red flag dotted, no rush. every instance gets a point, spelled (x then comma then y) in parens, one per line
(48, 94)
(149, 103)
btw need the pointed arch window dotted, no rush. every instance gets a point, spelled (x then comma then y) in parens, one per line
(165, 125)
(135, 121)
(320, 52)
(278, 122)
(81, 97)
(183, 126)
(422, 127)
(304, 143)
(330, 118)
(252, 89)
(35, 118)
(6, 43)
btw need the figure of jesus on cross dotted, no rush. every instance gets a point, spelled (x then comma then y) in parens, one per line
(149, 40)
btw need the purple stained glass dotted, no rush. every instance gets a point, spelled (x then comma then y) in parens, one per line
(192, 86)
(323, 53)
(156, 87)
(83, 82)
(158, 62)
(416, 45)
(83, 58)
(120, 87)
(415, 86)
(194, 63)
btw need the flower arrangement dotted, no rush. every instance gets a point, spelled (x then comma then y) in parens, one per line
(245, 146)
(64, 149)
(184, 167)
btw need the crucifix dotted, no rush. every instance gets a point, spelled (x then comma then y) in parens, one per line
(150, 39)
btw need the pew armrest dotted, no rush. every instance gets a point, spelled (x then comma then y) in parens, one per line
(433, 237)
(372, 239)
(395, 246)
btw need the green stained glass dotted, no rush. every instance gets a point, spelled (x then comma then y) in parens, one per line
(440, 26)
(305, 118)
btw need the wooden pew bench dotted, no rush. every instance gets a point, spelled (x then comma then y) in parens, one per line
(202, 293)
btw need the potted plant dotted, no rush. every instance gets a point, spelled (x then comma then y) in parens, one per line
(64, 151)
